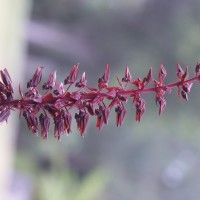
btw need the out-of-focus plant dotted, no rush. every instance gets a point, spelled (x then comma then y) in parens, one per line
(56, 101)
(64, 185)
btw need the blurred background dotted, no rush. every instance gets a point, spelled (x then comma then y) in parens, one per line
(156, 159)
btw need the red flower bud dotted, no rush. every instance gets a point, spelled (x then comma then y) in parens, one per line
(59, 89)
(187, 87)
(45, 125)
(4, 114)
(184, 95)
(162, 74)
(179, 72)
(103, 81)
(6, 77)
(120, 115)
(58, 126)
(127, 76)
(185, 75)
(197, 69)
(72, 75)
(102, 116)
(162, 103)
(67, 117)
(35, 81)
(83, 81)
(32, 121)
(82, 121)
(49, 85)
(140, 108)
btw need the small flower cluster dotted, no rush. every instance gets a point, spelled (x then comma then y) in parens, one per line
(56, 101)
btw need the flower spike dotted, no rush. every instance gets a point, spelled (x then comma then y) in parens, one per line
(55, 102)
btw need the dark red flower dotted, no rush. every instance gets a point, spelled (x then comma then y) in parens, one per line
(53, 111)
(140, 108)
(67, 117)
(6, 77)
(102, 116)
(45, 125)
(187, 87)
(99, 122)
(162, 103)
(148, 79)
(185, 75)
(82, 121)
(58, 126)
(59, 89)
(90, 108)
(103, 81)
(197, 69)
(49, 85)
(82, 82)
(32, 121)
(72, 75)
(120, 115)
(184, 95)
(7, 87)
(36, 79)
(4, 114)
(162, 74)
(179, 72)
(127, 76)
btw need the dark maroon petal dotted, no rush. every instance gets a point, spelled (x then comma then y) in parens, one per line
(45, 125)
(162, 104)
(184, 95)
(185, 75)
(103, 81)
(179, 72)
(72, 76)
(6, 77)
(7, 86)
(99, 121)
(85, 122)
(53, 111)
(127, 76)
(149, 76)
(49, 85)
(162, 74)
(140, 108)
(31, 120)
(58, 127)
(67, 120)
(106, 113)
(59, 89)
(197, 69)
(123, 98)
(2, 87)
(187, 87)
(120, 115)
(82, 82)
(36, 79)
(106, 75)
(4, 114)
(82, 121)
(90, 108)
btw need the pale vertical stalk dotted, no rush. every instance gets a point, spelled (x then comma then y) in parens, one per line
(13, 18)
